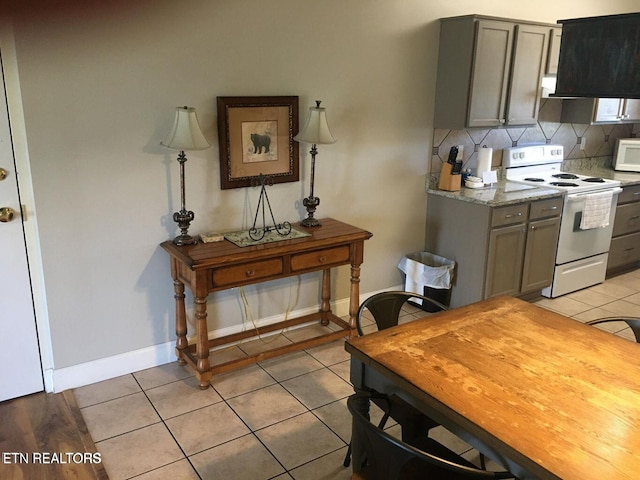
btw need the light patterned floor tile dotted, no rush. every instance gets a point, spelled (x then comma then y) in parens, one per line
(328, 467)
(161, 375)
(289, 366)
(330, 353)
(318, 388)
(205, 428)
(239, 382)
(180, 397)
(180, 470)
(118, 416)
(266, 406)
(138, 452)
(105, 391)
(299, 440)
(242, 458)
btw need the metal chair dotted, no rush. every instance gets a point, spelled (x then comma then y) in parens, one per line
(633, 322)
(385, 457)
(385, 308)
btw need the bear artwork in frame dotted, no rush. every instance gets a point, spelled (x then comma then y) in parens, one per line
(256, 137)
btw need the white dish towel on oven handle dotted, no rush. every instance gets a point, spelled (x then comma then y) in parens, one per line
(597, 210)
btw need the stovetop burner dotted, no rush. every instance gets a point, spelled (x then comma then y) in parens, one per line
(541, 166)
(566, 176)
(563, 184)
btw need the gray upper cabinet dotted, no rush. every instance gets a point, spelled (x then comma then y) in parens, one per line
(554, 51)
(600, 110)
(489, 72)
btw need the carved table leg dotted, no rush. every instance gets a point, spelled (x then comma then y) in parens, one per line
(354, 298)
(203, 367)
(325, 305)
(181, 321)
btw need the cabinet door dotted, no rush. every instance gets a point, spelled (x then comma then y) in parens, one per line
(631, 110)
(540, 254)
(608, 110)
(554, 51)
(504, 262)
(529, 56)
(490, 74)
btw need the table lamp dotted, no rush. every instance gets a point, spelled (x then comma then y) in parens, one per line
(315, 131)
(184, 135)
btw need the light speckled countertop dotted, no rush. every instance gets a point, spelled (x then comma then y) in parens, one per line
(507, 193)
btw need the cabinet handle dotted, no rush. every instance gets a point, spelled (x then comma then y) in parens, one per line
(550, 208)
(250, 273)
(629, 249)
(636, 193)
(635, 217)
(511, 215)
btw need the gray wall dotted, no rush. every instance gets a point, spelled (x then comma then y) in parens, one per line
(100, 81)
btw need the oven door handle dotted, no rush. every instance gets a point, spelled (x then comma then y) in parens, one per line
(579, 196)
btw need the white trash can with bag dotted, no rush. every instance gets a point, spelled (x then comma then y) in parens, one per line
(429, 275)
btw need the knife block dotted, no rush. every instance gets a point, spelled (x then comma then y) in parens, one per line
(448, 181)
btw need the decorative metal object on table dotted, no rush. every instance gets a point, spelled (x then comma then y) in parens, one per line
(282, 229)
(184, 135)
(315, 131)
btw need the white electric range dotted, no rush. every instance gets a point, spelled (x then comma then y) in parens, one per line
(583, 249)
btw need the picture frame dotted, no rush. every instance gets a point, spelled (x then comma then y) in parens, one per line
(255, 136)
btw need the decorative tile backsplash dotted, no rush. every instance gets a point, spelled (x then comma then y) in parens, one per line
(599, 140)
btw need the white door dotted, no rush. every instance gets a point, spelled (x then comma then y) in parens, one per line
(20, 367)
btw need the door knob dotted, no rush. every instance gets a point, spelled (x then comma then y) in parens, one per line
(3, 174)
(6, 214)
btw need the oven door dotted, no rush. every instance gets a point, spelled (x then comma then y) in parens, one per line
(575, 243)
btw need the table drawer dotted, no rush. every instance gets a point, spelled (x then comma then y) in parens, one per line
(627, 219)
(246, 273)
(624, 250)
(509, 215)
(328, 257)
(546, 208)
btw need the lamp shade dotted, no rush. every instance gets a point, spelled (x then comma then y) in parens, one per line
(185, 133)
(316, 130)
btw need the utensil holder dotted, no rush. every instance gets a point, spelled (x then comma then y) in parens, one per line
(447, 180)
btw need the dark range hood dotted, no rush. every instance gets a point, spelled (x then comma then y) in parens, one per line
(600, 57)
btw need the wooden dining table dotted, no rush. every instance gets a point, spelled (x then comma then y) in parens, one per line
(542, 394)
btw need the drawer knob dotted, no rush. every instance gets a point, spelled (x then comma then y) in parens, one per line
(322, 259)
(251, 273)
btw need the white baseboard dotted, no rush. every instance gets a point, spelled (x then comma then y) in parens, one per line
(58, 380)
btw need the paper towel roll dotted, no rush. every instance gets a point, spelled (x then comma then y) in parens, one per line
(484, 161)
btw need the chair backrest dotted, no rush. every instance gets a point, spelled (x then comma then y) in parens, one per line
(385, 308)
(388, 458)
(633, 322)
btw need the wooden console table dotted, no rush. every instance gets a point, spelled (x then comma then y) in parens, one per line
(209, 267)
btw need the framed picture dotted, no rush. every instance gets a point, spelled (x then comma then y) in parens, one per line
(256, 137)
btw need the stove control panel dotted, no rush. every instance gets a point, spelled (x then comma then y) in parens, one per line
(532, 155)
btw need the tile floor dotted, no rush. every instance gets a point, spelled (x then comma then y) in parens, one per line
(281, 419)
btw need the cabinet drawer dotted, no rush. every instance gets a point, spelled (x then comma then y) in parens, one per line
(629, 194)
(510, 215)
(627, 219)
(331, 256)
(546, 208)
(246, 273)
(624, 250)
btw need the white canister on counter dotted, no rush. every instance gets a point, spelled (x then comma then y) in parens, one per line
(484, 160)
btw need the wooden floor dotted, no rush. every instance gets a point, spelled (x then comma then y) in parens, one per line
(43, 436)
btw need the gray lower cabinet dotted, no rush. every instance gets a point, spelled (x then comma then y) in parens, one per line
(624, 253)
(498, 250)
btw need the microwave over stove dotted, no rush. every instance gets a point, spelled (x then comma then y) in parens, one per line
(626, 157)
